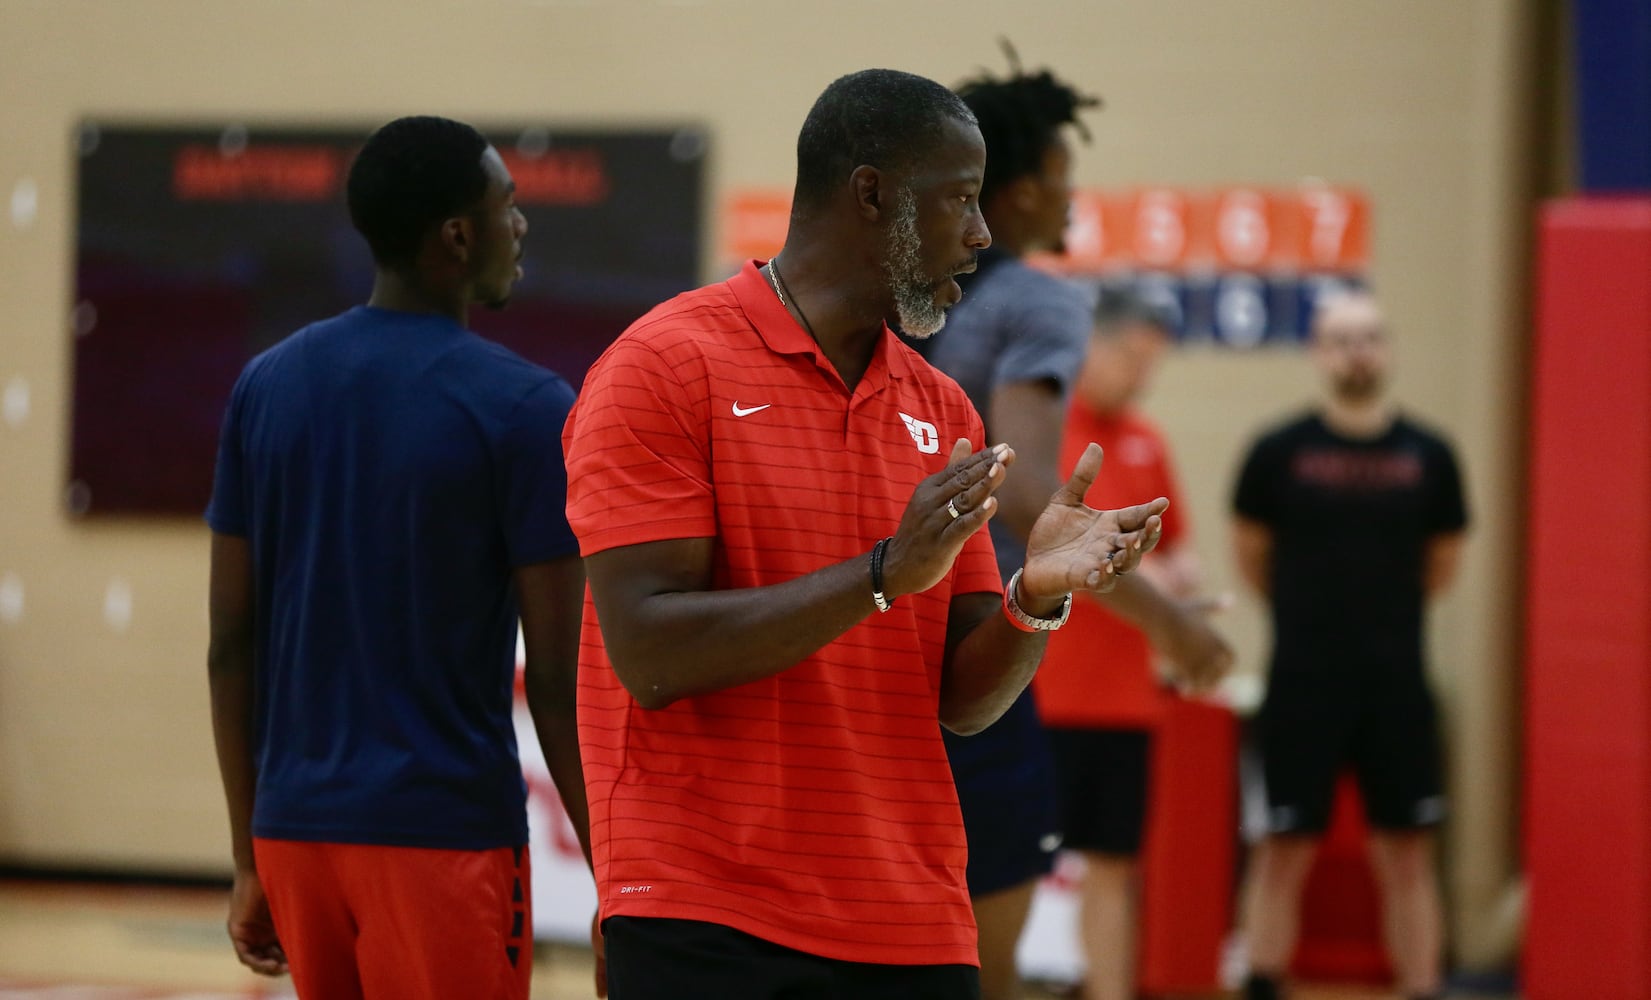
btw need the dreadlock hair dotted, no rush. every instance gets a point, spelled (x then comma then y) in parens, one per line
(877, 117)
(409, 176)
(1020, 117)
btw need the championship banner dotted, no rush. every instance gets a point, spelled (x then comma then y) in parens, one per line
(198, 246)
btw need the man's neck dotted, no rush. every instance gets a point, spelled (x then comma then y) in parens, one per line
(839, 298)
(395, 292)
(1359, 418)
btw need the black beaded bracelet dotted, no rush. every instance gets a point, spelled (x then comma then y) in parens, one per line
(883, 603)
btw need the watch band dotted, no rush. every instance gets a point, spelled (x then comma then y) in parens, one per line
(1029, 623)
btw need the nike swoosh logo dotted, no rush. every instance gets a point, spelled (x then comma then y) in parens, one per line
(738, 412)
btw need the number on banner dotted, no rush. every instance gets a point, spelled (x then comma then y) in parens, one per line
(1241, 310)
(1242, 231)
(1328, 215)
(1160, 227)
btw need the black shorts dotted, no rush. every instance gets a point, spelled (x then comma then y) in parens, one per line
(1381, 724)
(1006, 790)
(658, 959)
(1103, 776)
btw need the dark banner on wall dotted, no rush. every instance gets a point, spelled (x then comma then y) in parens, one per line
(199, 247)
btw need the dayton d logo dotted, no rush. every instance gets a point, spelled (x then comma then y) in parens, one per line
(924, 433)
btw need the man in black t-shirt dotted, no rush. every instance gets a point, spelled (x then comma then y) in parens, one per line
(1347, 520)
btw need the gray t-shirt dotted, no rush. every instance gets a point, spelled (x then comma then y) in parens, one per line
(1015, 324)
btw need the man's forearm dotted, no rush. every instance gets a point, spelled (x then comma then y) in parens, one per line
(231, 682)
(558, 734)
(676, 645)
(987, 672)
(1139, 602)
(991, 660)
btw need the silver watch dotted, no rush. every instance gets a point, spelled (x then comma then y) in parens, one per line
(1029, 622)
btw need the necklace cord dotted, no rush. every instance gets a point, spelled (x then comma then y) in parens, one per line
(777, 279)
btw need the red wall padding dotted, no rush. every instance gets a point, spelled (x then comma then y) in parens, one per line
(1190, 849)
(1588, 607)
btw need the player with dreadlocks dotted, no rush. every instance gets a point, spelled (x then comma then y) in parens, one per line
(1016, 344)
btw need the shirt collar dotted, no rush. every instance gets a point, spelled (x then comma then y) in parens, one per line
(784, 335)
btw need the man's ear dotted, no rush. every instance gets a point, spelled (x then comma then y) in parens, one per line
(457, 237)
(1022, 193)
(867, 185)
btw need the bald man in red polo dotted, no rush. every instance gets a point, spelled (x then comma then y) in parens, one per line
(780, 507)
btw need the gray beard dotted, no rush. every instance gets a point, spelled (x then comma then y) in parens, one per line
(919, 315)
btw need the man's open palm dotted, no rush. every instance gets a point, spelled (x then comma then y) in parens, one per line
(1075, 547)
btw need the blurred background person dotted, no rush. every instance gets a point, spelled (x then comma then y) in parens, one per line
(1015, 344)
(1098, 691)
(1349, 519)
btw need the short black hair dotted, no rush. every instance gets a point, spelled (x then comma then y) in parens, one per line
(409, 176)
(1019, 117)
(1117, 307)
(881, 118)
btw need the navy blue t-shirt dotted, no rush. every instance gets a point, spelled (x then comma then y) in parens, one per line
(390, 470)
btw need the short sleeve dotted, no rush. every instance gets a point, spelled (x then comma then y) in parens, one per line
(226, 513)
(976, 569)
(533, 481)
(638, 448)
(1256, 497)
(1046, 340)
(1448, 509)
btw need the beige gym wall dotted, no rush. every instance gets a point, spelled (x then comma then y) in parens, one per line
(105, 750)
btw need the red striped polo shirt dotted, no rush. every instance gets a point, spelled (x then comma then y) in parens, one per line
(814, 808)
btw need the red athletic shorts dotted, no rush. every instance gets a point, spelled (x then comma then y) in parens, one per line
(362, 922)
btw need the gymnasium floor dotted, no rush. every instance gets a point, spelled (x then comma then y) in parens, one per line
(99, 942)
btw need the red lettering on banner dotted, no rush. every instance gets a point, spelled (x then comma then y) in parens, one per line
(559, 177)
(202, 172)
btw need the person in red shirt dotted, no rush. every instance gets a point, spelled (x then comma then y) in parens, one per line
(1098, 691)
(780, 508)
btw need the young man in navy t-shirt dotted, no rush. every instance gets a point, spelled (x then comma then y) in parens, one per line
(389, 496)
